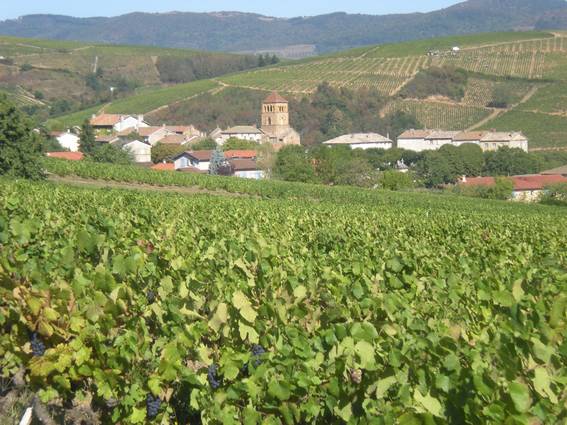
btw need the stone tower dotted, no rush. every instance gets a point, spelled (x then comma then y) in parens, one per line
(275, 116)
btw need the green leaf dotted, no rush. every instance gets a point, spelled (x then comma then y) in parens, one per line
(138, 416)
(279, 390)
(520, 395)
(542, 351)
(243, 305)
(365, 352)
(344, 413)
(248, 333)
(220, 318)
(430, 404)
(384, 385)
(518, 291)
(154, 384)
(542, 384)
(299, 293)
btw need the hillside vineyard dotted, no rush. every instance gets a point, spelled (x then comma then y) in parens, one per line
(370, 308)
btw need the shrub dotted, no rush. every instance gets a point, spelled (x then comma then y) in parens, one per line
(555, 195)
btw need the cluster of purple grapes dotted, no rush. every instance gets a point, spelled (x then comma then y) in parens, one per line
(151, 296)
(152, 406)
(212, 377)
(257, 351)
(37, 345)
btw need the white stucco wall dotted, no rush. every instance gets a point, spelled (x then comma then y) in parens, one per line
(69, 141)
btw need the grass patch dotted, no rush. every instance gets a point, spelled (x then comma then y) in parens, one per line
(150, 99)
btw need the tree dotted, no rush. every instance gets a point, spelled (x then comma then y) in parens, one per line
(237, 144)
(164, 152)
(204, 145)
(20, 146)
(472, 159)
(217, 161)
(394, 180)
(435, 169)
(293, 164)
(87, 141)
(510, 162)
(111, 154)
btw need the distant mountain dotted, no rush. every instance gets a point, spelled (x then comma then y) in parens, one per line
(234, 31)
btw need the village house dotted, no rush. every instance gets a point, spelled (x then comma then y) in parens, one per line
(528, 188)
(150, 135)
(246, 169)
(163, 166)
(242, 160)
(117, 123)
(241, 132)
(465, 137)
(414, 140)
(439, 138)
(141, 152)
(492, 141)
(67, 140)
(198, 160)
(362, 141)
(425, 140)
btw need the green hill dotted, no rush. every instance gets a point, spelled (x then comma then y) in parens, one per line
(529, 67)
(55, 77)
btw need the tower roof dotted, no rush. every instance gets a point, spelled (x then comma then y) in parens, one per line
(275, 98)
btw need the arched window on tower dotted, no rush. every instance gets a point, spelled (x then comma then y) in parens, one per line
(269, 121)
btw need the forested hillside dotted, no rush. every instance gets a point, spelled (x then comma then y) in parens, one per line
(233, 31)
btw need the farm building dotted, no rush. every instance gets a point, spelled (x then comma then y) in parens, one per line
(362, 141)
(528, 188)
(424, 140)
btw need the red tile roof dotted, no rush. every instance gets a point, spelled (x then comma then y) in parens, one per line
(240, 154)
(70, 156)
(415, 134)
(173, 139)
(275, 98)
(521, 183)
(244, 165)
(192, 170)
(201, 155)
(106, 120)
(163, 166)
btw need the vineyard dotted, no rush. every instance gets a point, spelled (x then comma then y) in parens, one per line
(403, 308)
(480, 92)
(384, 75)
(434, 115)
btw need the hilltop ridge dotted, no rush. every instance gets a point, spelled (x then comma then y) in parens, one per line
(238, 31)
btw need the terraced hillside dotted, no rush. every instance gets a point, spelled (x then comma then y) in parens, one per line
(65, 76)
(530, 67)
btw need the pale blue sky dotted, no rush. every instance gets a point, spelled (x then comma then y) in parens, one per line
(284, 8)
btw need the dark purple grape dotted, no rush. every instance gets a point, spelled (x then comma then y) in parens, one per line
(152, 406)
(212, 377)
(37, 345)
